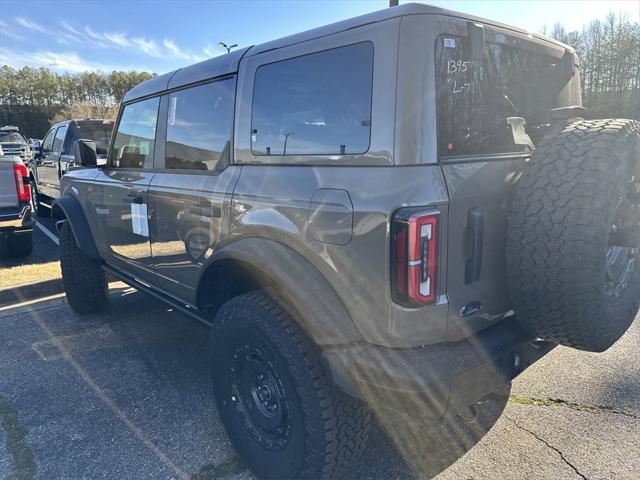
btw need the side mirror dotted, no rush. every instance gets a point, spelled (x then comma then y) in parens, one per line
(36, 146)
(85, 153)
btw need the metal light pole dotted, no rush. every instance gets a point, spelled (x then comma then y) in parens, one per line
(228, 47)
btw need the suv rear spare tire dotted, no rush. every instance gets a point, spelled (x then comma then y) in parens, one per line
(573, 242)
(278, 403)
(85, 283)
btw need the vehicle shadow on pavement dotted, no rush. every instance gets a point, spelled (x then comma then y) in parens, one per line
(133, 383)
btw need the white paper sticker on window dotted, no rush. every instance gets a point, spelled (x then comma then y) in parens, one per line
(449, 42)
(139, 223)
(173, 103)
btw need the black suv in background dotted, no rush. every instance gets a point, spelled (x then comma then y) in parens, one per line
(55, 156)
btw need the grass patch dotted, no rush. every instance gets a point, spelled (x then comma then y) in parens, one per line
(23, 274)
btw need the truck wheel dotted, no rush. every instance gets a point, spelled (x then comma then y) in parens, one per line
(573, 242)
(84, 280)
(16, 245)
(37, 207)
(277, 402)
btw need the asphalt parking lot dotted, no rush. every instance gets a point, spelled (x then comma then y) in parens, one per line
(125, 394)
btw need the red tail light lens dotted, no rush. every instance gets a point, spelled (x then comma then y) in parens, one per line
(414, 235)
(23, 187)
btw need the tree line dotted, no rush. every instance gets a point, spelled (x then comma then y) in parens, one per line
(609, 52)
(32, 98)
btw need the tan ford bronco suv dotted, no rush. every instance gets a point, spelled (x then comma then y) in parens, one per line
(401, 211)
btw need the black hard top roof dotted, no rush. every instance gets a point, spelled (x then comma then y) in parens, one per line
(228, 64)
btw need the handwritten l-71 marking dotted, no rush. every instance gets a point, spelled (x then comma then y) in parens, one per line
(462, 88)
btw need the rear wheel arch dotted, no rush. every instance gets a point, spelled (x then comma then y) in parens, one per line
(253, 263)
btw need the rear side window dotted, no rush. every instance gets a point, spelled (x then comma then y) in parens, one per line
(317, 104)
(135, 139)
(58, 141)
(199, 126)
(498, 104)
(98, 132)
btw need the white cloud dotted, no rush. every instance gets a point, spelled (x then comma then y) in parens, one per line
(119, 39)
(146, 46)
(7, 31)
(30, 25)
(178, 53)
(95, 36)
(60, 61)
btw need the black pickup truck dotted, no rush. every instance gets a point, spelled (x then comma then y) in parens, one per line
(55, 156)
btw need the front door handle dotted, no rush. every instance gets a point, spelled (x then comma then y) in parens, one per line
(134, 197)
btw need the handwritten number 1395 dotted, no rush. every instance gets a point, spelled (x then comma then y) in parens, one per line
(455, 66)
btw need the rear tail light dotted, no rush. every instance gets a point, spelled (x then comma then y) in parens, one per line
(414, 266)
(23, 186)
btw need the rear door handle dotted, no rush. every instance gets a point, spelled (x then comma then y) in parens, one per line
(134, 197)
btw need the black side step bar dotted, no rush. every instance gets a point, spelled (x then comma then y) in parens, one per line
(183, 308)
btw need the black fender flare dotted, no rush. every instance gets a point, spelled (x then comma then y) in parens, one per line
(299, 283)
(74, 214)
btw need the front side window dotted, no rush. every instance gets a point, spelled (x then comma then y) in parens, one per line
(199, 123)
(498, 104)
(58, 141)
(135, 138)
(47, 144)
(317, 104)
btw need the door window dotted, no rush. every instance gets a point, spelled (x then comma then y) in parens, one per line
(317, 104)
(58, 141)
(47, 144)
(199, 126)
(135, 138)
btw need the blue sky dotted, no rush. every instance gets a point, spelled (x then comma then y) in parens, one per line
(161, 35)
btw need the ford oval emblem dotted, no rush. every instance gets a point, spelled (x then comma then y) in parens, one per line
(470, 308)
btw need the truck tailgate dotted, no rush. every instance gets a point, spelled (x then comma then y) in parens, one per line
(480, 199)
(8, 194)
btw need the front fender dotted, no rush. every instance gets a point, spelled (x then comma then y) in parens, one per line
(304, 289)
(74, 214)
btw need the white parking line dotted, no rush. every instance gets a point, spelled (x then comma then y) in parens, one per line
(48, 233)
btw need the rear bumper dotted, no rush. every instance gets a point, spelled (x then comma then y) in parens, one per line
(16, 220)
(438, 379)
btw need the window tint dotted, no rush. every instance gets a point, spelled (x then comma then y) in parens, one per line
(59, 139)
(12, 137)
(318, 104)
(495, 105)
(135, 138)
(99, 133)
(199, 126)
(47, 144)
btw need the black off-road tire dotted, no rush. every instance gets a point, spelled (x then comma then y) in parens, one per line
(17, 245)
(562, 222)
(325, 429)
(85, 282)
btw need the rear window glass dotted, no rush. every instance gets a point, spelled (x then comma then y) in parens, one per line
(317, 104)
(498, 104)
(98, 132)
(11, 137)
